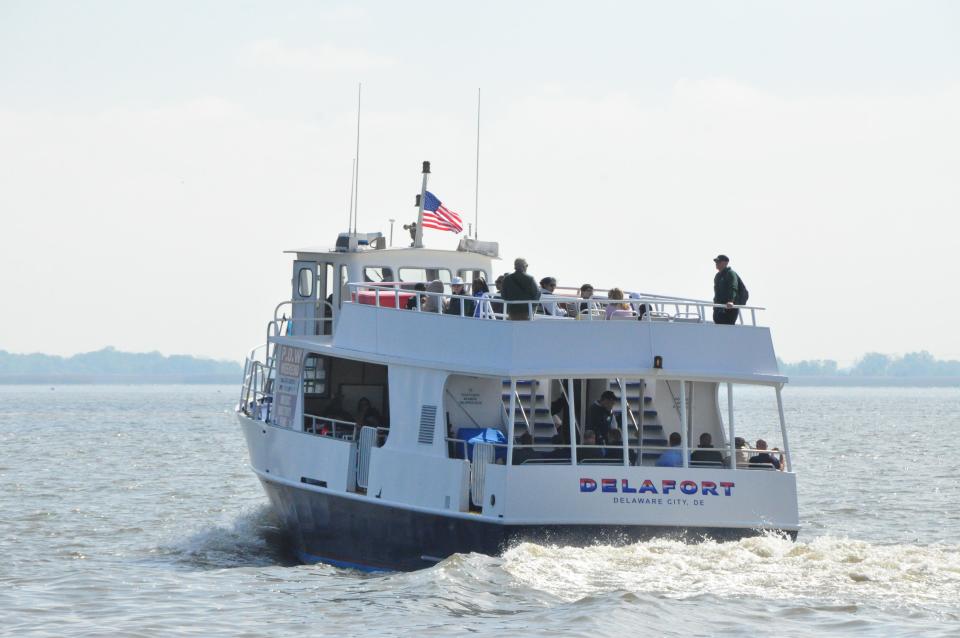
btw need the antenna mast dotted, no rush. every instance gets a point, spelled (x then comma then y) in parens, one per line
(356, 166)
(476, 183)
(353, 173)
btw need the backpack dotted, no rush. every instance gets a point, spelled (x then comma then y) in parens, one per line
(742, 293)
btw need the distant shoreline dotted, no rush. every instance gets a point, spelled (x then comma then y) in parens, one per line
(876, 382)
(233, 379)
(120, 379)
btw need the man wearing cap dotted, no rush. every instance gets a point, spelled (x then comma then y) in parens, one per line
(726, 284)
(453, 308)
(519, 286)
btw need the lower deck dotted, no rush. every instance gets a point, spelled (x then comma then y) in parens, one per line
(349, 532)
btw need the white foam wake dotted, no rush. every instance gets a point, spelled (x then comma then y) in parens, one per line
(839, 570)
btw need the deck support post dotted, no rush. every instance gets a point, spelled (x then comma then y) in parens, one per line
(572, 425)
(783, 429)
(732, 435)
(684, 439)
(510, 420)
(623, 419)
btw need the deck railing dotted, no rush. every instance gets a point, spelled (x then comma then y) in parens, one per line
(612, 454)
(642, 306)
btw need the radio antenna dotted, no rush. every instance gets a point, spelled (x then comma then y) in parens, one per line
(356, 166)
(476, 183)
(353, 170)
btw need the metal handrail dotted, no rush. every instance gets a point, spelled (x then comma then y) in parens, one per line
(656, 304)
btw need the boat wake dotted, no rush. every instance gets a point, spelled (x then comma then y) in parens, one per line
(253, 539)
(839, 571)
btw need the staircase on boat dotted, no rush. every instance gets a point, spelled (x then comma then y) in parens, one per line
(533, 407)
(648, 419)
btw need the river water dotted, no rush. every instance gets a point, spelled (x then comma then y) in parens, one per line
(129, 510)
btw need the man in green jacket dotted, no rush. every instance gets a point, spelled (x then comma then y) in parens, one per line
(519, 286)
(726, 284)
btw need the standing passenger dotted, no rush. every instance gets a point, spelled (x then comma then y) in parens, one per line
(519, 286)
(726, 285)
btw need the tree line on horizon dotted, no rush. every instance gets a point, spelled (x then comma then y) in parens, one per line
(875, 364)
(110, 361)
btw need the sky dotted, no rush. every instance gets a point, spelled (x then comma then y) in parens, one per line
(156, 158)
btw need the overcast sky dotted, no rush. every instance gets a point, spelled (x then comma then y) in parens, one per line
(156, 158)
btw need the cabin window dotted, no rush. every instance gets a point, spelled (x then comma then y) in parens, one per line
(344, 290)
(340, 393)
(425, 275)
(305, 282)
(315, 375)
(377, 273)
(469, 275)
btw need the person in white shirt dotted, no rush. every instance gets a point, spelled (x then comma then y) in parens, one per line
(547, 286)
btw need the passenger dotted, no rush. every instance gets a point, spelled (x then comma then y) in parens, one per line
(674, 457)
(586, 292)
(412, 301)
(600, 415)
(726, 285)
(615, 308)
(743, 454)
(458, 290)
(589, 449)
(705, 454)
(547, 286)
(764, 457)
(335, 410)
(497, 303)
(519, 286)
(639, 308)
(521, 454)
(614, 447)
(482, 307)
(367, 415)
(434, 300)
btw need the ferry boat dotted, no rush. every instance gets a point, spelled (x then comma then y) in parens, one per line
(389, 438)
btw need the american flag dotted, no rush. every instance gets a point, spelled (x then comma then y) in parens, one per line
(436, 215)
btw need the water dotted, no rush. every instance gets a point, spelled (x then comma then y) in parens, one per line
(130, 511)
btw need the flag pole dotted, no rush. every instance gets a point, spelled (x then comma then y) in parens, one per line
(418, 240)
(476, 184)
(356, 166)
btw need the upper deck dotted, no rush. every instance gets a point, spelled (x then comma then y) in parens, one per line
(354, 301)
(688, 346)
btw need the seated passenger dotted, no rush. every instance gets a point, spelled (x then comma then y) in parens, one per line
(547, 286)
(497, 303)
(586, 293)
(705, 454)
(521, 454)
(639, 308)
(672, 458)
(434, 300)
(589, 449)
(614, 448)
(615, 308)
(764, 458)
(743, 455)
(412, 301)
(482, 307)
(456, 303)
(367, 414)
